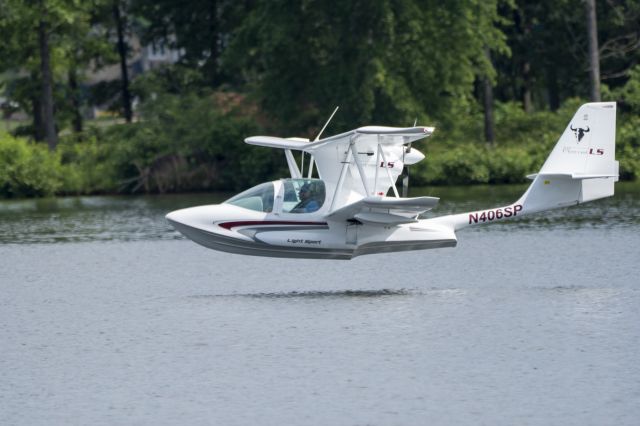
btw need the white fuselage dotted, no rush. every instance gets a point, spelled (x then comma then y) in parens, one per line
(235, 229)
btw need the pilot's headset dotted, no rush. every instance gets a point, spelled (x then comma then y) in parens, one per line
(306, 187)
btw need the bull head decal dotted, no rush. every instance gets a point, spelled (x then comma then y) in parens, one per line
(579, 132)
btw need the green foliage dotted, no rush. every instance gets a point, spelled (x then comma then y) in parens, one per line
(186, 143)
(629, 94)
(419, 59)
(628, 147)
(87, 165)
(476, 164)
(27, 169)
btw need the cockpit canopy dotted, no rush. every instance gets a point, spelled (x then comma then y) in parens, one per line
(298, 196)
(259, 198)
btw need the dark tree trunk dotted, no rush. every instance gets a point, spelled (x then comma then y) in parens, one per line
(552, 87)
(487, 98)
(122, 51)
(489, 134)
(38, 127)
(526, 87)
(48, 123)
(213, 28)
(594, 57)
(75, 101)
(523, 28)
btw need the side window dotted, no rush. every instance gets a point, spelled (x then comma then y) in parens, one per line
(302, 195)
(258, 198)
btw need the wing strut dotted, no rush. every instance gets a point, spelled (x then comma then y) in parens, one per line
(291, 162)
(393, 184)
(375, 180)
(311, 163)
(343, 173)
(360, 170)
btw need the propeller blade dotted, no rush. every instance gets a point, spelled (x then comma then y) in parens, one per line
(405, 173)
(405, 183)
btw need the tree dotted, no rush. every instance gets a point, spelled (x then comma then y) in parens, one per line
(594, 57)
(19, 51)
(48, 120)
(199, 29)
(385, 62)
(122, 52)
(549, 42)
(41, 41)
(487, 100)
(618, 26)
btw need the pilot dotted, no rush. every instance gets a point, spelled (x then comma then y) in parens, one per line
(309, 196)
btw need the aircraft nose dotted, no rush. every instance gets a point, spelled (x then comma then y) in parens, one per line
(193, 216)
(174, 216)
(188, 216)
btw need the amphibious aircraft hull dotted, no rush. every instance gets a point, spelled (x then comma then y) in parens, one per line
(305, 240)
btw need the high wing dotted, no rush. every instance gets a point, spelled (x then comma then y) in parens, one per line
(364, 162)
(366, 135)
(385, 210)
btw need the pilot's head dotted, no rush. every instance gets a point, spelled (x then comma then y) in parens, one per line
(305, 191)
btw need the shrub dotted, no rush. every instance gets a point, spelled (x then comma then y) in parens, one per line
(87, 165)
(187, 142)
(27, 169)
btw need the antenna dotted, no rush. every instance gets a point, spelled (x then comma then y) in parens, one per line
(415, 122)
(326, 124)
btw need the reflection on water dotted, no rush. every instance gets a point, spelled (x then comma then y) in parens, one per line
(130, 218)
(316, 294)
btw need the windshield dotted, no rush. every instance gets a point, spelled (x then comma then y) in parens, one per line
(258, 198)
(302, 195)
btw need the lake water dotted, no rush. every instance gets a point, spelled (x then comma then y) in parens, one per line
(107, 316)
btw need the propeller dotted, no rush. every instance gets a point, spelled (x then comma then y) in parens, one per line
(405, 169)
(405, 173)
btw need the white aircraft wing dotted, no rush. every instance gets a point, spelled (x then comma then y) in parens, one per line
(282, 143)
(373, 135)
(369, 135)
(385, 210)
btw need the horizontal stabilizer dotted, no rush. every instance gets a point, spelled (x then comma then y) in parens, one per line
(573, 175)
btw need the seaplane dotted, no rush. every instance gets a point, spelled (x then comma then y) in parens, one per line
(347, 204)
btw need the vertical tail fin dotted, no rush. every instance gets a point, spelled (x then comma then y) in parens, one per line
(581, 168)
(582, 165)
